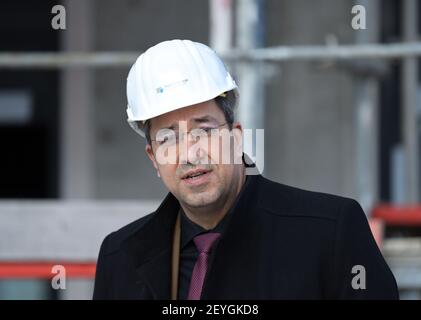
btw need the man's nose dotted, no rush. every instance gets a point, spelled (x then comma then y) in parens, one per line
(192, 151)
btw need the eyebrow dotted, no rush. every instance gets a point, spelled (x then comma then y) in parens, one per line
(171, 127)
(204, 119)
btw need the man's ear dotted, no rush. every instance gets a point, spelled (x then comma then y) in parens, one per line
(237, 125)
(237, 131)
(151, 155)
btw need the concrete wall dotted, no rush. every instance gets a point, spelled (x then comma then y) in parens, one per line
(310, 107)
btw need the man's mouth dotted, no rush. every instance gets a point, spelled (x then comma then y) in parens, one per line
(195, 174)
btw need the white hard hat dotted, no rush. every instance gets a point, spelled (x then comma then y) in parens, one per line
(172, 75)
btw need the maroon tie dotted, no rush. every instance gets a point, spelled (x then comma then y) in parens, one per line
(204, 243)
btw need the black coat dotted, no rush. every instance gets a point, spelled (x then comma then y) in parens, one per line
(281, 243)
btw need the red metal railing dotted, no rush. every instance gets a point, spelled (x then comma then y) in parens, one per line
(393, 215)
(43, 270)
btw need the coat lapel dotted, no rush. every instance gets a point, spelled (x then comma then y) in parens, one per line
(149, 249)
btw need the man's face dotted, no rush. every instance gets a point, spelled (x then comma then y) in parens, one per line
(198, 177)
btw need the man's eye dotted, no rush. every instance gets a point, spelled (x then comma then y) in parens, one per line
(163, 140)
(207, 129)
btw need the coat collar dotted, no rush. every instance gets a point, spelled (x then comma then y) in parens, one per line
(150, 247)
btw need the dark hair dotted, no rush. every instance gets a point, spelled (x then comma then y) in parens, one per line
(226, 105)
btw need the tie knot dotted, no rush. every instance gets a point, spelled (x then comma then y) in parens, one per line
(205, 241)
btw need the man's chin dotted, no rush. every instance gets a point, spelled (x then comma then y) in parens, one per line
(200, 200)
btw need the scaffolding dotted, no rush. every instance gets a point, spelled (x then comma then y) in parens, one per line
(316, 53)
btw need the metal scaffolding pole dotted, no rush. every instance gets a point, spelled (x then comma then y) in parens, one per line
(252, 106)
(409, 104)
(366, 118)
(53, 60)
(76, 136)
(220, 31)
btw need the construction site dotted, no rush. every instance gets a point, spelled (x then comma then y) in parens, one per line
(335, 86)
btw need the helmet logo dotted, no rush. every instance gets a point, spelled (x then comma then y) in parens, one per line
(171, 85)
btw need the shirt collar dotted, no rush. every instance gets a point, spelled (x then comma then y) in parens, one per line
(189, 229)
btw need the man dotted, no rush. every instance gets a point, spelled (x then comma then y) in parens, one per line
(219, 233)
